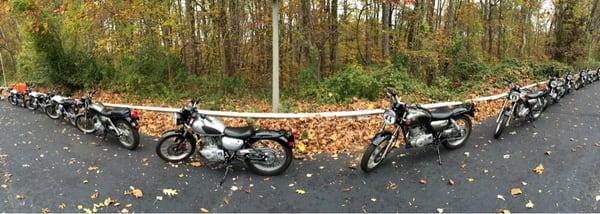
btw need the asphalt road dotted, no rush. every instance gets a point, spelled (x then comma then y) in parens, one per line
(46, 164)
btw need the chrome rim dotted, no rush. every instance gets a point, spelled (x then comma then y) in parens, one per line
(377, 155)
(464, 132)
(172, 151)
(273, 152)
(86, 124)
(500, 124)
(126, 136)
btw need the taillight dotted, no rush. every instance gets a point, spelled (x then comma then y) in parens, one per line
(135, 115)
(295, 132)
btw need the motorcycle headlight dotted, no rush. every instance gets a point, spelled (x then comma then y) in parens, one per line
(513, 96)
(389, 117)
(553, 84)
(569, 77)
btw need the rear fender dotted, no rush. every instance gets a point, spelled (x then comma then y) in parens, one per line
(286, 138)
(381, 137)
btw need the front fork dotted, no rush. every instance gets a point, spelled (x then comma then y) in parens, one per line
(512, 111)
(391, 141)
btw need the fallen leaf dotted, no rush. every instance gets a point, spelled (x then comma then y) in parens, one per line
(20, 197)
(450, 182)
(539, 169)
(440, 210)
(196, 164)
(108, 201)
(501, 197)
(506, 156)
(598, 198)
(226, 200)
(467, 154)
(373, 199)
(392, 185)
(470, 179)
(137, 193)
(79, 207)
(62, 205)
(300, 191)
(94, 195)
(515, 192)
(301, 147)
(529, 205)
(170, 192)
(513, 133)
(423, 181)
(204, 210)
(92, 168)
(548, 153)
(45, 210)
(504, 211)
(309, 175)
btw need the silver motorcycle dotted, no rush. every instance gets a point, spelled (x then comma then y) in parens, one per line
(265, 152)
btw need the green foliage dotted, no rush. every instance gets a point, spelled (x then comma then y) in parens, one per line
(553, 68)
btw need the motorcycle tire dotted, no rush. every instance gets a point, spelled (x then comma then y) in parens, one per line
(79, 123)
(260, 169)
(501, 125)
(164, 154)
(132, 143)
(460, 143)
(365, 162)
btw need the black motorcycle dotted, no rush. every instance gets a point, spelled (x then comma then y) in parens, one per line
(568, 83)
(120, 122)
(555, 89)
(265, 152)
(419, 127)
(523, 104)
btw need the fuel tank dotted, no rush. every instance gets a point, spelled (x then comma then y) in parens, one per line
(208, 126)
(417, 116)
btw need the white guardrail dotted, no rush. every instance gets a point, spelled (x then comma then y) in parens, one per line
(339, 114)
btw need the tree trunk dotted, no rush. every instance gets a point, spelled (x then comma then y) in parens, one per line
(334, 36)
(386, 16)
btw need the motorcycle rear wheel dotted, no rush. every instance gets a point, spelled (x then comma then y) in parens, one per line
(85, 124)
(130, 139)
(461, 121)
(52, 111)
(282, 158)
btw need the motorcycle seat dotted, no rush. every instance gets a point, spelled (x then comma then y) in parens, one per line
(116, 112)
(447, 114)
(239, 132)
(535, 95)
(67, 102)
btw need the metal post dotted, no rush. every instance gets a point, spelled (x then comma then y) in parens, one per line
(275, 55)
(2, 67)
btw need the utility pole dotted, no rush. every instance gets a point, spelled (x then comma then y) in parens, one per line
(2, 67)
(275, 20)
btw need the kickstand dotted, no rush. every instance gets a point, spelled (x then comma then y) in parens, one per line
(227, 168)
(438, 154)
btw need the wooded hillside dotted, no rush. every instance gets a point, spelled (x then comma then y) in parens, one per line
(331, 50)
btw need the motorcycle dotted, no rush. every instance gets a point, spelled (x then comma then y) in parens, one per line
(591, 75)
(555, 89)
(419, 127)
(265, 152)
(524, 103)
(568, 83)
(577, 81)
(15, 97)
(120, 122)
(37, 100)
(60, 107)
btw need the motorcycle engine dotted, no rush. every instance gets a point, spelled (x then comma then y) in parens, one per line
(211, 150)
(522, 110)
(418, 137)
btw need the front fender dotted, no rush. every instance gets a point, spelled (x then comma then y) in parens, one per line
(274, 135)
(381, 137)
(171, 133)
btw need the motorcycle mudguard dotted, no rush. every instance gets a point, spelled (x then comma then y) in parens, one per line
(380, 138)
(173, 132)
(133, 122)
(273, 135)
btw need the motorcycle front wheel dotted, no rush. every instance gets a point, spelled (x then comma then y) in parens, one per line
(373, 156)
(13, 100)
(86, 123)
(276, 157)
(129, 137)
(501, 125)
(52, 111)
(175, 148)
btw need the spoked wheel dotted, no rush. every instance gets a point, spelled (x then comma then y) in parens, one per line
(129, 138)
(463, 133)
(13, 100)
(501, 125)
(373, 156)
(52, 111)
(31, 104)
(175, 148)
(86, 123)
(269, 157)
